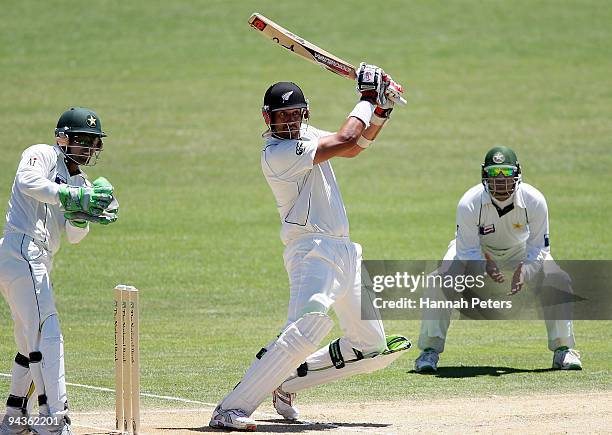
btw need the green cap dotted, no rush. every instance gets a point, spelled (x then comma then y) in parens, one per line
(500, 156)
(79, 120)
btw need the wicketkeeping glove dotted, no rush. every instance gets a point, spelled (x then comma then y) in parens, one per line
(108, 216)
(104, 219)
(75, 222)
(103, 182)
(91, 200)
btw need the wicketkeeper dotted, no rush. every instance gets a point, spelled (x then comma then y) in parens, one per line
(50, 195)
(504, 223)
(323, 264)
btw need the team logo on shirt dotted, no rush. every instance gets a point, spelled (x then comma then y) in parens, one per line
(498, 158)
(60, 180)
(517, 226)
(487, 229)
(91, 121)
(299, 148)
(286, 96)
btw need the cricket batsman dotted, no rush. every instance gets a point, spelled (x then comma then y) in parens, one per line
(503, 222)
(50, 195)
(323, 264)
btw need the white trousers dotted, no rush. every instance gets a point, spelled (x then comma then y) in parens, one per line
(434, 327)
(325, 272)
(25, 284)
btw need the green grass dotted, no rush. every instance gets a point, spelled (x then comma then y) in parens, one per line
(178, 86)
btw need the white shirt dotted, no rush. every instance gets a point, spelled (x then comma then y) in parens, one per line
(519, 234)
(34, 206)
(307, 195)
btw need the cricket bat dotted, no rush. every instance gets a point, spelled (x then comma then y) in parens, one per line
(292, 42)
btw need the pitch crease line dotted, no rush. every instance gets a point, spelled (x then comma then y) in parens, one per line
(180, 399)
(111, 390)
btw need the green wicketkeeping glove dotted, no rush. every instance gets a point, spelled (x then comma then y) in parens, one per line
(91, 200)
(105, 218)
(103, 182)
(108, 216)
(79, 223)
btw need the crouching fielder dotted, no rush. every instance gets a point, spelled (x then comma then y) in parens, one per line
(323, 265)
(505, 222)
(50, 195)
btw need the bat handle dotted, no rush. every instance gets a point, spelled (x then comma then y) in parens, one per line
(400, 100)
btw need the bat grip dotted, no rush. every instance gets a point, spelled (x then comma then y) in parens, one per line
(400, 100)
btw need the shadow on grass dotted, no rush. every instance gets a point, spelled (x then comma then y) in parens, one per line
(287, 426)
(474, 371)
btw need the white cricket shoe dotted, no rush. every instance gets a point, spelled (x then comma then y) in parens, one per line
(284, 404)
(565, 358)
(231, 419)
(10, 427)
(62, 428)
(427, 362)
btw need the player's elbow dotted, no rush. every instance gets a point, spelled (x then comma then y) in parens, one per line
(22, 180)
(349, 136)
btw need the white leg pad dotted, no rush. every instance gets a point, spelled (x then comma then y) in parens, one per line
(52, 367)
(21, 377)
(318, 376)
(289, 350)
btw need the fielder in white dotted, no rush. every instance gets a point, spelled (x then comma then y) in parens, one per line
(504, 222)
(50, 195)
(323, 265)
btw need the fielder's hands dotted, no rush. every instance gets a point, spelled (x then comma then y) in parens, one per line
(80, 219)
(91, 200)
(518, 279)
(90, 204)
(492, 269)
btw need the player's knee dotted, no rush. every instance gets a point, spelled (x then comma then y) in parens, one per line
(50, 329)
(306, 332)
(314, 305)
(371, 341)
(559, 280)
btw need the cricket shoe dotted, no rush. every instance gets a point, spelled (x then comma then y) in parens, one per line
(61, 428)
(565, 358)
(231, 419)
(427, 362)
(284, 404)
(13, 425)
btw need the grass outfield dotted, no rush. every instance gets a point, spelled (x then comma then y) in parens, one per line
(178, 87)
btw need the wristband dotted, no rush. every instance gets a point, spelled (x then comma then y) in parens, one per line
(363, 111)
(380, 115)
(377, 120)
(363, 142)
(78, 223)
